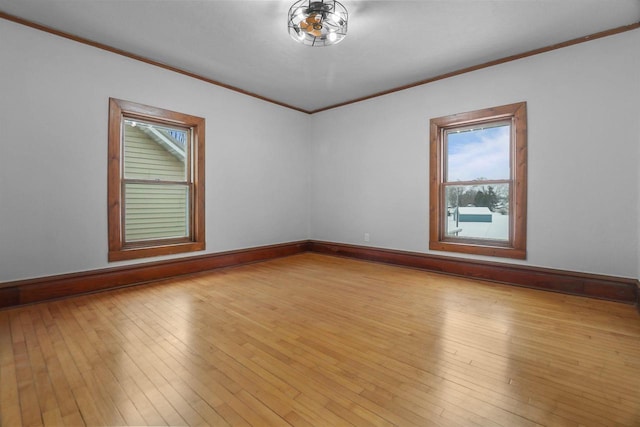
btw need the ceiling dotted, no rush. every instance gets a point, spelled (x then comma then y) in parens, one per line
(389, 44)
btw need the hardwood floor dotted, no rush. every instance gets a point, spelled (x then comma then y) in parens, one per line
(314, 340)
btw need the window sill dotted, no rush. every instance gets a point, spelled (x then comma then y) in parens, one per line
(147, 252)
(478, 249)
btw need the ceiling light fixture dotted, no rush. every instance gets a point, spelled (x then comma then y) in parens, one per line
(318, 23)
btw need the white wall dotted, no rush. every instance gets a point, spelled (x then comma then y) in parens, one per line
(53, 160)
(370, 172)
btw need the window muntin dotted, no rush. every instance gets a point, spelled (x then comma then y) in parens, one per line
(478, 182)
(156, 181)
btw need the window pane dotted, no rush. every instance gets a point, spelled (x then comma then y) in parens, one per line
(156, 211)
(154, 152)
(477, 211)
(479, 153)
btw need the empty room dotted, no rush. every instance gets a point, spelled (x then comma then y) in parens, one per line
(320, 213)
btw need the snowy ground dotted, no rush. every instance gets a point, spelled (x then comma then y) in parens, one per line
(497, 229)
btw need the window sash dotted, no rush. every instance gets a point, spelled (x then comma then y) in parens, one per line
(483, 126)
(167, 209)
(495, 230)
(446, 183)
(156, 128)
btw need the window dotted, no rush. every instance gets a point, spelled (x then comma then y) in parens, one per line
(478, 187)
(155, 181)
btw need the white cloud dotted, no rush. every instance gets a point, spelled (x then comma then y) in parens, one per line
(479, 154)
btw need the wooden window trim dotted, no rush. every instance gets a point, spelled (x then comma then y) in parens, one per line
(118, 249)
(516, 246)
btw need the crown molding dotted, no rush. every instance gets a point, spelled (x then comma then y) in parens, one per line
(130, 55)
(428, 80)
(506, 59)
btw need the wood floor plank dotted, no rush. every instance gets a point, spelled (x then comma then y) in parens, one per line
(73, 420)
(9, 396)
(315, 340)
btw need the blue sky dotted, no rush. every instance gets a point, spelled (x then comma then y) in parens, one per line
(478, 153)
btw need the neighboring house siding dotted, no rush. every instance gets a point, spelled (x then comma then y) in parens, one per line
(153, 211)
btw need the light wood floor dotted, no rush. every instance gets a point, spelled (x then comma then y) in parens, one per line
(312, 340)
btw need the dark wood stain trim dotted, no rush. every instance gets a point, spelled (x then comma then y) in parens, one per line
(515, 57)
(54, 287)
(124, 53)
(29, 291)
(117, 51)
(589, 285)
